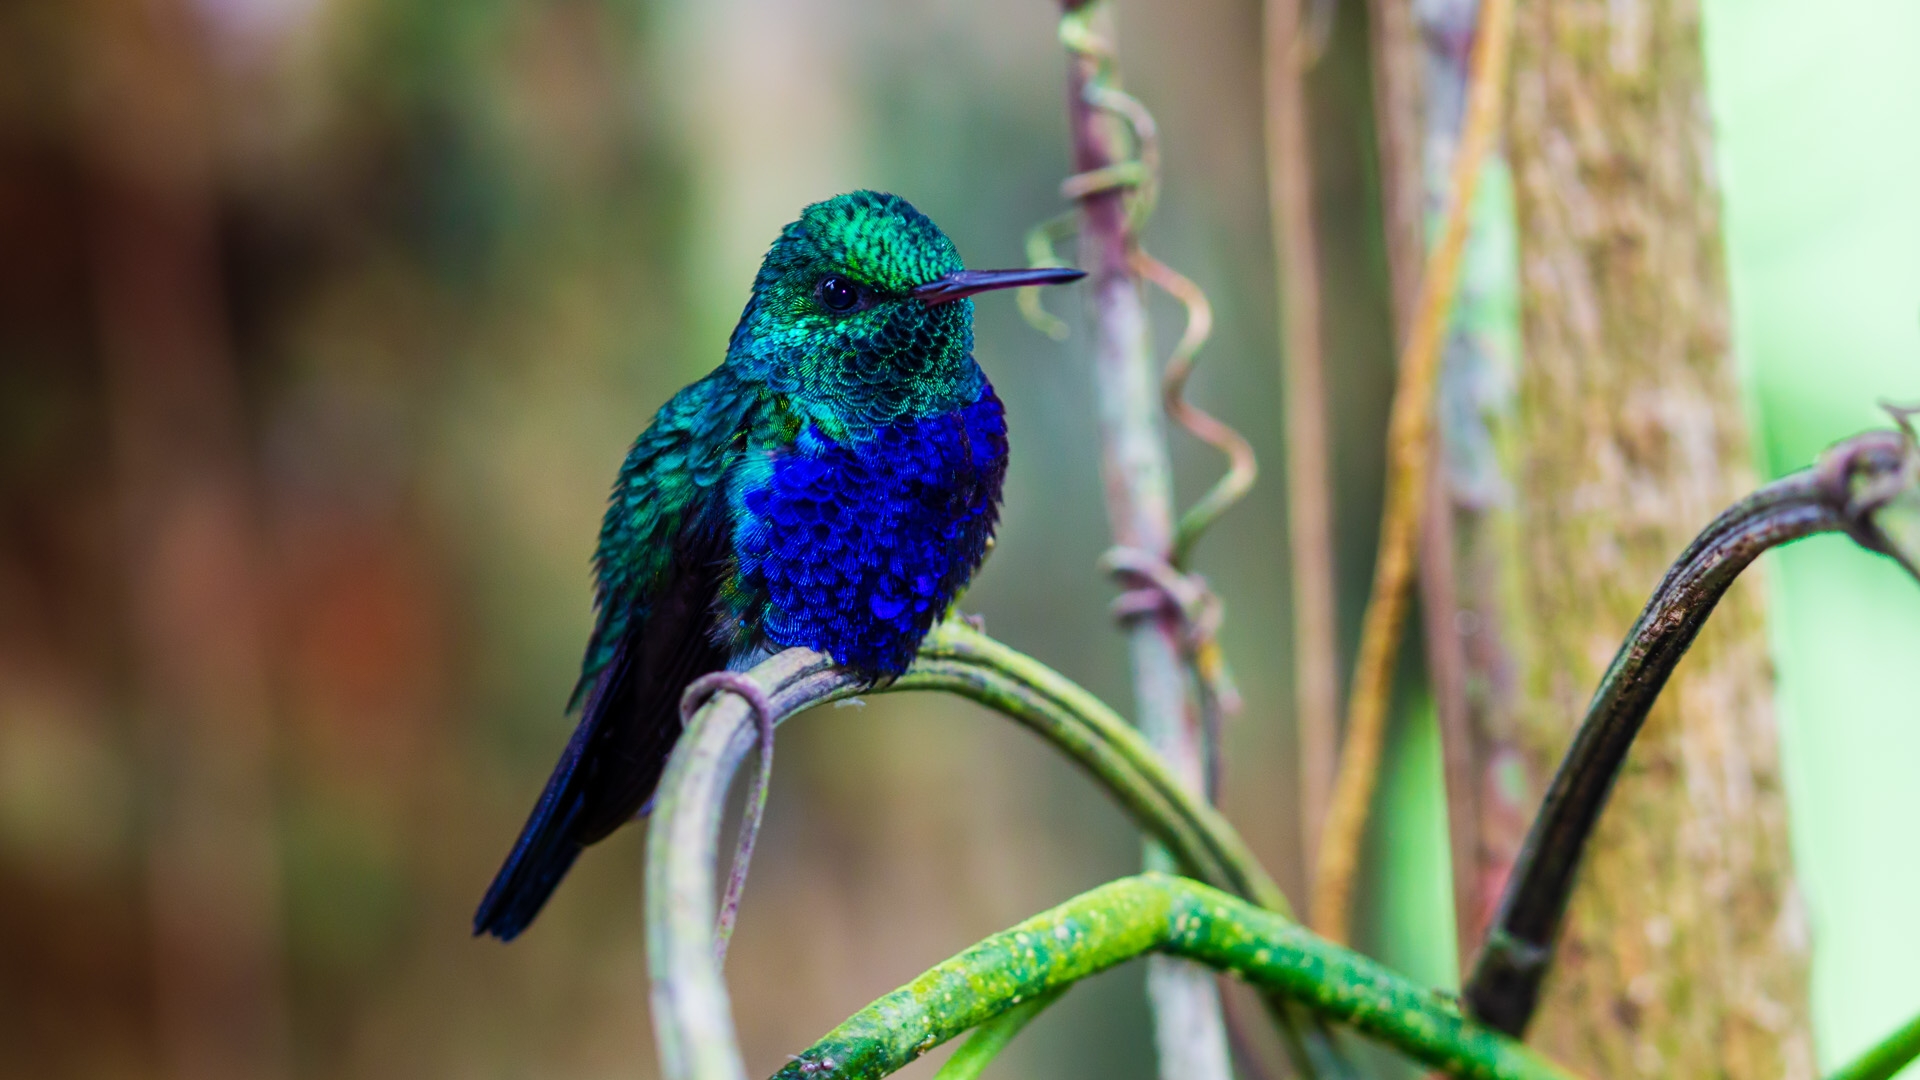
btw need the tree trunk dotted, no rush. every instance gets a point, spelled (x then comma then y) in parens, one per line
(1685, 950)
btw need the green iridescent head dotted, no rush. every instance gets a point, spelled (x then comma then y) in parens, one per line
(859, 313)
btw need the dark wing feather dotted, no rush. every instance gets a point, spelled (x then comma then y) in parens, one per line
(676, 648)
(663, 548)
(627, 730)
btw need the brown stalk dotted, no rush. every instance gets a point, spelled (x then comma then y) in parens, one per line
(1316, 665)
(1399, 89)
(1409, 440)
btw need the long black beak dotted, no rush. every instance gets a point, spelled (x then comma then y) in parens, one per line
(967, 282)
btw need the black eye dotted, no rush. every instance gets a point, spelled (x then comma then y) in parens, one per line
(837, 293)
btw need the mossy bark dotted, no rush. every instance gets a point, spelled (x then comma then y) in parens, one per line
(1685, 950)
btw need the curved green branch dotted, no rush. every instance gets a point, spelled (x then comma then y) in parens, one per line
(691, 1013)
(958, 659)
(1158, 913)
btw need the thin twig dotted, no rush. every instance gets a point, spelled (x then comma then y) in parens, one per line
(1219, 696)
(1242, 468)
(1167, 582)
(1447, 668)
(1316, 663)
(1189, 1031)
(1158, 913)
(1846, 492)
(1409, 441)
(1398, 103)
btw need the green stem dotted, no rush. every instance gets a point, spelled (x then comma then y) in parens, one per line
(1157, 913)
(990, 1038)
(961, 660)
(1886, 1059)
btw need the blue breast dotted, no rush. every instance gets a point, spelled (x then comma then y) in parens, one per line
(855, 547)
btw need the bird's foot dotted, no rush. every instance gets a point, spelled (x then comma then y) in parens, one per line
(697, 694)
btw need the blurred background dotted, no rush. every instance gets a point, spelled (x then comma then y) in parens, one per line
(324, 325)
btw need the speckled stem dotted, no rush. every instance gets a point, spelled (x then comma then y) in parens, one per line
(1310, 560)
(691, 1012)
(957, 659)
(1854, 487)
(990, 1038)
(1158, 913)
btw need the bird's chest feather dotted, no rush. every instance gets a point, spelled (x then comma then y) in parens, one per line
(855, 546)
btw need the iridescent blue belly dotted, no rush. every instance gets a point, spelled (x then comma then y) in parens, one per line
(855, 548)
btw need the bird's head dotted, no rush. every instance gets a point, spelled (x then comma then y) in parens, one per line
(860, 311)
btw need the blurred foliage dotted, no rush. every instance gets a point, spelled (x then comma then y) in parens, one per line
(1812, 105)
(465, 248)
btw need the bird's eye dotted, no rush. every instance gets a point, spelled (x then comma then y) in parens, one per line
(837, 294)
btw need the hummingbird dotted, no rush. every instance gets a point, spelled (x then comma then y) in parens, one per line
(833, 484)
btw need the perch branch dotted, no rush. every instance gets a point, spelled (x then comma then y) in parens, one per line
(1864, 487)
(1409, 439)
(1157, 913)
(691, 1013)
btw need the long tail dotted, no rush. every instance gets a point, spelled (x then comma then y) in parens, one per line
(551, 838)
(611, 765)
(546, 849)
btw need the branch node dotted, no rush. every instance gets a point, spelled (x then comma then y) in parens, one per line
(1154, 587)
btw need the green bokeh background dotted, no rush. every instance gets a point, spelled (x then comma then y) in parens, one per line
(1817, 111)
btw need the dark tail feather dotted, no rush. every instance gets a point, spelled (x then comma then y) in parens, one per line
(540, 858)
(614, 760)
(552, 837)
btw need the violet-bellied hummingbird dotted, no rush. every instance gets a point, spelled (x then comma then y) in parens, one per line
(833, 484)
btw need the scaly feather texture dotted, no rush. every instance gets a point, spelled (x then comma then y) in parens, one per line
(834, 484)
